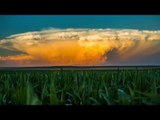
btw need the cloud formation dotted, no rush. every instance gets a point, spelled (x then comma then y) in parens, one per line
(78, 46)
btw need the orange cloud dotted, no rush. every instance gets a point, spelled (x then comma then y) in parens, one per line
(78, 46)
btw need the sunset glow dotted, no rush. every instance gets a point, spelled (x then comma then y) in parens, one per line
(78, 46)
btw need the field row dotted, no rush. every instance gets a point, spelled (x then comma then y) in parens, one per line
(72, 87)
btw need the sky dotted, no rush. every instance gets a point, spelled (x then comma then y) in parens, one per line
(79, 39)
(13, 24)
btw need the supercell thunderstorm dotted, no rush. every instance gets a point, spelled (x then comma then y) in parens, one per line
(78, 46)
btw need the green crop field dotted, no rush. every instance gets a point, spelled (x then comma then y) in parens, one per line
(80, 87)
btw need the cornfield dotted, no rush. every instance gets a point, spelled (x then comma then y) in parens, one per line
(80, 87)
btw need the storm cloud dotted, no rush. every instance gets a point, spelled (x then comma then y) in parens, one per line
(79, 47)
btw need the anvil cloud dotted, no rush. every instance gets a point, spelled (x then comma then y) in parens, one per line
(78, 46)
